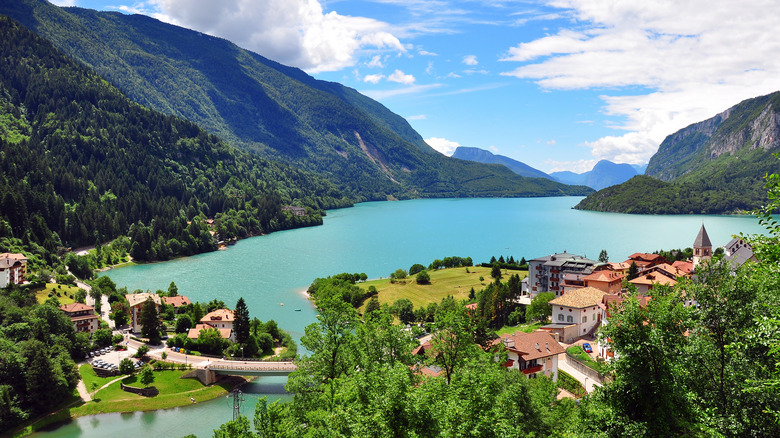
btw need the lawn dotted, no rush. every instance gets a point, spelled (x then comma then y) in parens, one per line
(454, 281)
(582, 356)
(527, 328)
(65, 293)
(174, 391)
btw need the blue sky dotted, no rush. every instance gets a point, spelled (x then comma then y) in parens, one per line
(557, 84)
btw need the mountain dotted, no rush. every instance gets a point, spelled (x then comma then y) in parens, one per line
(260, 105)
(482, 156)
(640, 168)
(604, 174)
(81, 163)
(711, 167)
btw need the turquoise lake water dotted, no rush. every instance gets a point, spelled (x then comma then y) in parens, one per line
(377, 238)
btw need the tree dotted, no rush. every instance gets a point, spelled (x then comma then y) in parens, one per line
(423, 277)
(495, 271)
(404, 309)
(150, 321)
(540, 308)
(102, 337)
(453, 341)
(146, 375)
(416, 268)
(603, 257)
(183, 323)
(142, 350)
(241, 322)
(633, 270)
(373, 305)
(120, 313)
(173, 290)
(126, 366)
(210, 341)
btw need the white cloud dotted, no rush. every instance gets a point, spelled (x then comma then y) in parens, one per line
(417, 117)
(470, 60)
(696, 58)
(551, 142)
(426, 53)
(63, 3)
(401, 78)
(373, 79)
(376, 62)
(414, 89)
(493, 148)
(293, 32)
(443, 145)
(452, 75)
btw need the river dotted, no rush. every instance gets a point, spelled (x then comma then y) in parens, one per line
(271, 272)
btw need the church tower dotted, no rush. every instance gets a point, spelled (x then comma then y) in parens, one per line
(702, 247)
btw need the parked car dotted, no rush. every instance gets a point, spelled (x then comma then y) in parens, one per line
(586, 346)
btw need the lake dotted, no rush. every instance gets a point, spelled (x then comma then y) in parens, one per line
(271, 272)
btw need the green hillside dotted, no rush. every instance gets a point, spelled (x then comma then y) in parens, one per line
(262, 106)
(80, 163)
(715, 166)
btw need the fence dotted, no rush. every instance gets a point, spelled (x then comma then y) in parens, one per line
(584, 369)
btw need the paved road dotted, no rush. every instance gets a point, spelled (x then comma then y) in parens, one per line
(586, 381)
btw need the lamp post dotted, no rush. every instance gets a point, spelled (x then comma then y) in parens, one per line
(242, 352)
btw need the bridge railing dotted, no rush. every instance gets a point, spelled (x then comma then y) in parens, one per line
(277, 366)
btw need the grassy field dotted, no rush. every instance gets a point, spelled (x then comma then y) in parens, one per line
(454, 281)
(527, 328)
(65, 293)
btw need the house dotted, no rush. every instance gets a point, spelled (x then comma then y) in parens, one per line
(610, 282)
(532, 353)
(221, 319)
(684, 266)
(194, 332)
(13, 268)
(83, 317)
(296, 211)
(558, 273)
(137, 302)
(702, 247)
(738, 252)
(576, 313)
(177, 301)
(663, 274)
(644, 260)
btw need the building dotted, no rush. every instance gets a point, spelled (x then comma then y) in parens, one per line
(576, 313)
(532, 353)
(610, 282)
(177, 301)
(558, 273)
(13, 268)
(738, 252)
(220, 319)
(644, 260)
(83, 317)
(702, 247)
(663, 274)
(296, 211)
(137, 302)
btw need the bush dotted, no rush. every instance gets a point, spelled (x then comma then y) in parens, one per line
(416, 268)
(569, 383)
(142, 350)
(423, 277)
(126, 366)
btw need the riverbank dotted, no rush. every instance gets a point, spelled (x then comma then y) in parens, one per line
(174, 392)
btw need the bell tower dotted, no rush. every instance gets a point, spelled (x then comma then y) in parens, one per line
(702, 247)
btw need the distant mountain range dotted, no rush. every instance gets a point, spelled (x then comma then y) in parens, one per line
(604, 174)
(714, 166)
(273, 110)
(487, 157)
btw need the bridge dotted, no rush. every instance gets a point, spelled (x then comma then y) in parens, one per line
(207, 371)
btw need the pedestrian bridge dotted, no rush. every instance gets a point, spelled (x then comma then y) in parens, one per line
(207, 371)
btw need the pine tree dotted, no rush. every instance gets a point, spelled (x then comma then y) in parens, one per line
(241, 323)
(150, 320)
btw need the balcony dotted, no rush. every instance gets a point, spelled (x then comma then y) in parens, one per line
(532, 370)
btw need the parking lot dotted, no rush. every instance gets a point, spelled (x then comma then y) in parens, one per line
(108, 358)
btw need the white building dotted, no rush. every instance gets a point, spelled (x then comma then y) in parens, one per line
(13, 268)
(576, 313)
(532, 353)
(136, 302)
(558, 273)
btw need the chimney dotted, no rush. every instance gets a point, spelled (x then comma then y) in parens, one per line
(547, 346)
(537, 346)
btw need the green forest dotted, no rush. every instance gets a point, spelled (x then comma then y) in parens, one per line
(81, 164)
(275, 111)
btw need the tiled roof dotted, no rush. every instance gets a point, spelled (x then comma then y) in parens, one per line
(605, 276)
(177, 301)
(224, 315)
(76, 307)
(195, 331)
(530, 346)
(644, 257)
(136, 299)
(702, 239)
(653, 278)
(579, 298)
(8, 259)
(683, 266)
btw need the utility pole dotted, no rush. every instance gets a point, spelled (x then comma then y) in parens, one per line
(238, 398)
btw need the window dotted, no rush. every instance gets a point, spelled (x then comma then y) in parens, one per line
(569, 319)
(584, 319)
(560, 317)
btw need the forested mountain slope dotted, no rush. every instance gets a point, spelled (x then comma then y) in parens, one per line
(274, 110)
(715, 166)
(483, 156)
(80, 163)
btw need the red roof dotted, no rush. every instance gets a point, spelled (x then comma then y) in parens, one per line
(177, 301)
